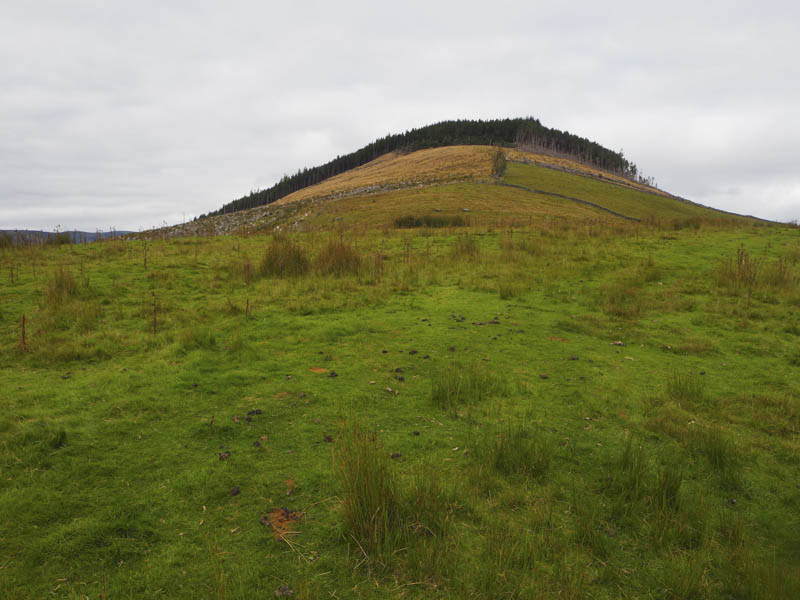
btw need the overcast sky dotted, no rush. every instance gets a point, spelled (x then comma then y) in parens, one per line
(131, 114)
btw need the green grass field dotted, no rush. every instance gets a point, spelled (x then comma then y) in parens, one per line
(554, 411)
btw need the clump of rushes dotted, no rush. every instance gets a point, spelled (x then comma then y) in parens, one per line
(629, 479)
(338, 258)
(370, 497)
(466, 247)
(741, 272)
(61, 286)
(431, 221)
(519, 450)
(455, 386)
(686, 390)
(284, 258)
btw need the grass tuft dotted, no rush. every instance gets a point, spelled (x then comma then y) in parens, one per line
(686, 390)
(739, 272)
(720, 451)
(370, 495)
(629, 479)
(431, 221)
(59, 287)
(338, 258)
(58, 439)
(779, 274)
(466, 247)
(455, 386)
(284, 258)
(519, 450)
(428, 504)
(668, 487)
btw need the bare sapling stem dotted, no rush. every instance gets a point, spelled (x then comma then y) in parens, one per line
(23, 343)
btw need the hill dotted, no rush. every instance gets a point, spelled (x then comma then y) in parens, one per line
(527, 132)
(453, 180)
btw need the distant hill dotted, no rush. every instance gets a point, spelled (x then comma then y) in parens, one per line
(523, 132)
(62, 237)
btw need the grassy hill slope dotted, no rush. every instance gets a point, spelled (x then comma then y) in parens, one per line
(456, 179)
(641, 204)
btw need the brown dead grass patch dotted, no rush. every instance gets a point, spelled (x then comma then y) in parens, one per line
(282, 521)
(434, 165)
